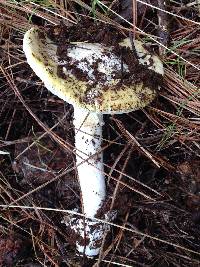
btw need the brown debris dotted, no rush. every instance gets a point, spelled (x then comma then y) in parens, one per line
(88, 31)
(10, 249)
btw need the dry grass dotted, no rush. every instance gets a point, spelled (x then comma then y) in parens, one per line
(152, 155)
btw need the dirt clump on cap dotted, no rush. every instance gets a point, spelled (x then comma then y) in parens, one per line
(87, 31)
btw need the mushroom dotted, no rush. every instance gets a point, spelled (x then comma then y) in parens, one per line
(90, 79)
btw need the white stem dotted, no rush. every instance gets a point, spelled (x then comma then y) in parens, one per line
(88, 136)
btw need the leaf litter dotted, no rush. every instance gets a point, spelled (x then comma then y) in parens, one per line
(39, 149)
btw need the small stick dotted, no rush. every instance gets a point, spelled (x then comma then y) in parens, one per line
(134, 14)
(131, 36)
(163, 19)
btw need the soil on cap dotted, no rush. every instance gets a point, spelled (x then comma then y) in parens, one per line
(88, 31)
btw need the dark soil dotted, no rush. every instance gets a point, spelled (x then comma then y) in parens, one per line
(39, 171)
(88, 31)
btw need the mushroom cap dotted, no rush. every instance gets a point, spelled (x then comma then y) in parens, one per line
(89, 76)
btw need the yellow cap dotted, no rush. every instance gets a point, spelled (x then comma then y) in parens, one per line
(89, 77)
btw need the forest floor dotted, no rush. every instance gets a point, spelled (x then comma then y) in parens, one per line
(151, 156)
